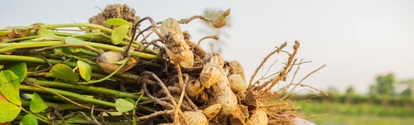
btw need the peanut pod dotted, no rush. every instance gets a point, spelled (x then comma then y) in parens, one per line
(212, 70)
(222, 94)
(175, 45)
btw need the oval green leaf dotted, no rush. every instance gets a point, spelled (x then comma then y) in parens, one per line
(37, 104)
(29, 119)
(19, 69)
(123, 105)
(119, 34)
(130, 100)
(64, 72)
(9, 86)
(85, 70)
(8, 112)
(71, 40)
(117, 22)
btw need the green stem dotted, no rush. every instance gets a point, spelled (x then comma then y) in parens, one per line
(98, 37)
(108, 76)
(70, 94)
(20, 39)
(6, 47)
(57, 106)
(124, 77)
(40, 117)
(15, 58)
(86, 88)
(119, 49)
(87, 52)
(78, 58)
(93, 26)
(77, 121)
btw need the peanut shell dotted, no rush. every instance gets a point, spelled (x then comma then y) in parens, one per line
(195, 118)
(220, 18)
(212, 111)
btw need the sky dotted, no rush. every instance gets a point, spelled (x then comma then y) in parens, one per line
(357, 40)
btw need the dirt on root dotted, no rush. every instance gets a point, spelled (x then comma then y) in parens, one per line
(115, 11)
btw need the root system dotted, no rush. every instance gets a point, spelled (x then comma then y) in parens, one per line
(115, 76)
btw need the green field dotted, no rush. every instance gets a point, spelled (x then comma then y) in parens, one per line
(361, 114)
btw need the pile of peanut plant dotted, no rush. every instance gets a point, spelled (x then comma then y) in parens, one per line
(116, 70)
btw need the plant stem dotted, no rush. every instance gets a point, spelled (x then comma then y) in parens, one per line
(119, 49)
(70, 94)
(6, 47)
(108, 76)
(93, 26)
(82, 121)
(97, 37)
(20, 39)
(40, 117)
(57, 106)
(14, 58)
(86, 88)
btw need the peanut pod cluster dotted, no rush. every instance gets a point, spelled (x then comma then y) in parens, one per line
(117, 70)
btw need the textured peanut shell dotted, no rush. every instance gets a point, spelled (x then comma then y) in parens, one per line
(212, 111)
(237, 84)
(210, 75)
(258, 117)
(212, 70)
(186, 60)
(222, 94)
(176, 47)
(236, 68)
(195, 90)
(107, 62)
(195, 118)
(240, 115)
(220, 18)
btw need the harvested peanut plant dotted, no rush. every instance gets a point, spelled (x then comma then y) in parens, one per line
(111, 72)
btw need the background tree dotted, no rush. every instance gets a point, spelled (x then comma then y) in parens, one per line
(407, 92)
(409, 86)
(373, 94)
(333, 94)
(384, 86)
(350, 95)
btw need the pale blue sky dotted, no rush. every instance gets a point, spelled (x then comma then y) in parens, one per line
(356, 39)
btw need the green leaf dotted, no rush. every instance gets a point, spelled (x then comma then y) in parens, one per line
(64, 72)
(71, 40)
(9, 86)
(42, 31)
(123, 105)
(8, 111)
(18, 68)
(29, 119)
(130, 100)
(117, 22)
(85, 70)
(37, 104)
(119, 34)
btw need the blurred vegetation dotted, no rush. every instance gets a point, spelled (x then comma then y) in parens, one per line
(389, 101)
